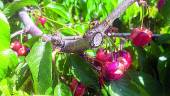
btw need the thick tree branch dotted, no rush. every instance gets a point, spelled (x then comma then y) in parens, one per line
(110, 19)
(93, 38)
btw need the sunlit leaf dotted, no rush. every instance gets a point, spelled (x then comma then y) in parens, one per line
(40, 63)
(62, 90)
(15, 6)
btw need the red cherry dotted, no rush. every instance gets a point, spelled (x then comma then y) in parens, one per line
(118, 74)
(123, 57)
(141, 36)
(160, 4)
(42, 20)
(103, 56)
(80, 90)
(16, 45)
(113, 70)
(73, 85)
(22, 51)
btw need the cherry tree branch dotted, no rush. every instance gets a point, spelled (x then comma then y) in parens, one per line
(110, 19)
(29, 24)
(93, 38)
(17, 33)
(127, 35)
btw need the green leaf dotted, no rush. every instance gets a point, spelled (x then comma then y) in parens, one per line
(130, 13)
(59, 9)
(142, 57)
(150, 85)
(4, 33)
(62, 90)
(40, 63)
(91, 53)
(20, 93)
(23, 75)
(1, 5)
(164, 39)
(123, 87)
(67, 32)
(8, 58)
(81, 28)
(104, 91)
(6, 87)
(15, 6)
(164, 70)
(155, 49)
(136, 84)
(165, 10)
(32, 41)
(62, 64)
(83, 71)
(45, 2)
(153, 11)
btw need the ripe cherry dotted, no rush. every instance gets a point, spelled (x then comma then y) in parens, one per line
(42, 20)
(123, 57)
(160, 4)
(113, 70)
(22, 51)
(103, 56)
(141, 36)
(73, 85)
(118, 74)
(80, 91)
(16, 45)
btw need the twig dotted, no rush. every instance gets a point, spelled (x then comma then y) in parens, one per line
(127, 34)
(17, 33)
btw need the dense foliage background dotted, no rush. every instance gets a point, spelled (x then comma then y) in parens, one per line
(36, 74)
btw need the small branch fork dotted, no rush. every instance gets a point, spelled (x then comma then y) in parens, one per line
(72, 44)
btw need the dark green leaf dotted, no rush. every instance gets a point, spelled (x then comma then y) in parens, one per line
(126, 87)
(135, 84)
(147, 82)
(164, 70)
(83, 71)
(164, 39)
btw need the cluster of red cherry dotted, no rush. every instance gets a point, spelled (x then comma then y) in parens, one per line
(20, 49)
(113, 64)
(77, 88)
